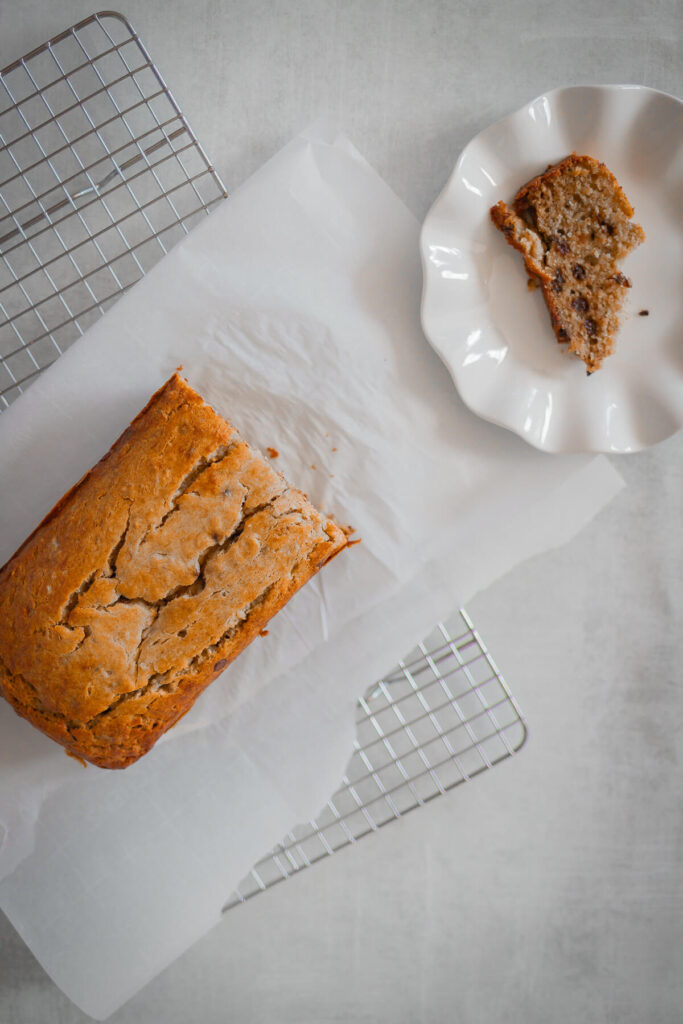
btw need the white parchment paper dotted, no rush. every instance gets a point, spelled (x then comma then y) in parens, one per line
(294, 309)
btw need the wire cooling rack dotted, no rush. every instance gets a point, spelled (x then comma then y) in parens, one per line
(441, 717)
(100, 174)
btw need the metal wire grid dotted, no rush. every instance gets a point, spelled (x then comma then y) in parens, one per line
(441, 717)
(100, 174)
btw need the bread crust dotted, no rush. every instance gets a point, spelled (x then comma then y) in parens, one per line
(149, 577)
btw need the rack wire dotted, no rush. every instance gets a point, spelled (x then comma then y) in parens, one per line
(441, 717)
(100, 174)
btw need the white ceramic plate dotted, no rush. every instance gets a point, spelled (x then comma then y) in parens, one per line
(495, 336)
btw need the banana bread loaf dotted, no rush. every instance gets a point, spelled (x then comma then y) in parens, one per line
(573, 225)
(149, 577)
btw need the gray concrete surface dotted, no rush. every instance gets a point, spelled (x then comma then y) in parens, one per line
(550, 889)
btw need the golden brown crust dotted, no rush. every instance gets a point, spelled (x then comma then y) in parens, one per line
(520, 237)
(149, 577)
(572, 225)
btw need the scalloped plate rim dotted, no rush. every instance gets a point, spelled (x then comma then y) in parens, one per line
(482, 411)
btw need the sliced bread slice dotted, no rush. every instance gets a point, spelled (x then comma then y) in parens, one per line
(573, 226)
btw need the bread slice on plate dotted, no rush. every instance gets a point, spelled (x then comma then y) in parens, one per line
(573, 226)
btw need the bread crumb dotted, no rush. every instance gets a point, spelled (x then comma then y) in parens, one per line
(264, 632)
(80, 760)
(313, 465)
(644, 312)
(273, 452)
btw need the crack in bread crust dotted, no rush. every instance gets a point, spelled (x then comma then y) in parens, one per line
(149, 578)
(184, 486)
(152, 683)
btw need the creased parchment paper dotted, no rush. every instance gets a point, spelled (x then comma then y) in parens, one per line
(294, 309)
